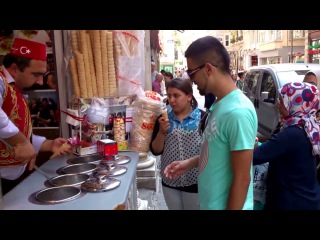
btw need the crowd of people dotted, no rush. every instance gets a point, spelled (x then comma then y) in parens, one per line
(44, 112)
(160, 80)
(227, 167)
(210, 159)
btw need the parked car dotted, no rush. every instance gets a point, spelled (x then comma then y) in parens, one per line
(262, 84)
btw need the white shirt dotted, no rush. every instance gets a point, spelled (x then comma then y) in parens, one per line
(8, 129)
(153, 76)
(163, 87)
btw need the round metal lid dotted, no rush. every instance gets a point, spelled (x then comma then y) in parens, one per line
(69, 179)
(110, 169)
(122, 159)
(58, 194)
(86, 159)
(79, 168)
(100, 183)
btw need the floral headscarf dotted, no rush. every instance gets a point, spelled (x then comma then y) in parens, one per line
(302, 100)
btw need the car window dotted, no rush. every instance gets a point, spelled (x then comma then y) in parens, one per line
(268, 88)
(291, 76)
(251, 80)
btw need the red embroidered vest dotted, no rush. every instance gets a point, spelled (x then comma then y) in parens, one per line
(17, 109)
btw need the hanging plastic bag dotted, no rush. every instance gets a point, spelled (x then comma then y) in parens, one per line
(146, 109)
(98, 112)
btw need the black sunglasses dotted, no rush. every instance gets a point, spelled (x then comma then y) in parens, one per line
(193, 71)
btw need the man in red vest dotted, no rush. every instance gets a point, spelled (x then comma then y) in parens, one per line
(24, 66)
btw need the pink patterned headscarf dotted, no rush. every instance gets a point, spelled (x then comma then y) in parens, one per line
(302, 102)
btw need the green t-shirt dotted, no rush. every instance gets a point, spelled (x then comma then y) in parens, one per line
(232, 126)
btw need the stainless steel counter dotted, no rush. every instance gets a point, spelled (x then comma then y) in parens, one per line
(22, 196)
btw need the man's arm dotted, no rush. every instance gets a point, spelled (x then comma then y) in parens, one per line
(241, 129)
(241, 167)
(176, 168)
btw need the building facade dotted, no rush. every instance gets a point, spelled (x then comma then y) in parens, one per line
(312, 49)
(249, 48)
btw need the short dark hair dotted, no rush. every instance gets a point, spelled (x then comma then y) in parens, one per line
(168, 74)
(185, 86)
(240, 74)
(163, 71)
(209, 49)
(21, 62)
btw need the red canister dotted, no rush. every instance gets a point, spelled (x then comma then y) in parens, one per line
(107, 148)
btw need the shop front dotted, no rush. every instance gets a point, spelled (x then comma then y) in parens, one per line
(314, 46)
(282, 55)
(99, 91)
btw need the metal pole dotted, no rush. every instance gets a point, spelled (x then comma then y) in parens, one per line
(291, 56)
(237, 63)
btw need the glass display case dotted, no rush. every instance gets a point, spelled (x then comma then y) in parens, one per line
(93, 119)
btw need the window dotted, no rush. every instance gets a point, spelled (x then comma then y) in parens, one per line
(251, 81)
(266, 36)
(252, 40)
(278, 35)
(262, 37)
(226, 37)
(291, 76)
(298, 33)
(268, 86)
(271, 36)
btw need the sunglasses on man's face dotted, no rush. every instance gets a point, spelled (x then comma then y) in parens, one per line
(193, 71)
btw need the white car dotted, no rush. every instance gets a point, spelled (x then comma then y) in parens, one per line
(262, 84)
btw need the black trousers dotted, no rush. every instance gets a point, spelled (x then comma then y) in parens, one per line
(7, 185)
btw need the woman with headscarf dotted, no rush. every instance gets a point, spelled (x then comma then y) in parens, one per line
(292, 175)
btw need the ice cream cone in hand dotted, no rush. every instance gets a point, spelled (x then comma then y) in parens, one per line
(164, 113)
(63, 147)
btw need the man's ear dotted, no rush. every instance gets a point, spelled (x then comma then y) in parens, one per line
(13, 69)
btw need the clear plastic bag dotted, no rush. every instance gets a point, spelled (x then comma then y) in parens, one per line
(146, 109)
(98, 112)
(129, 60)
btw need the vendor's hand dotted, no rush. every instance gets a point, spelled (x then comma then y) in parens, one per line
(56, 146)
(164, 125)
(25, 153)
(176, 168)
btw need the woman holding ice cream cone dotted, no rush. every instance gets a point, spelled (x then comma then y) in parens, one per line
(176, 137)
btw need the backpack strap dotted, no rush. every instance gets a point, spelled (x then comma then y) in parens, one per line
(203, 120)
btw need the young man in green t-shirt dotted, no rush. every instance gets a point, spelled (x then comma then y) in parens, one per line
(225, 161)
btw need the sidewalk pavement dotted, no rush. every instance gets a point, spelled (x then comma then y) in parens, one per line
(155, 199)
(150, 199)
